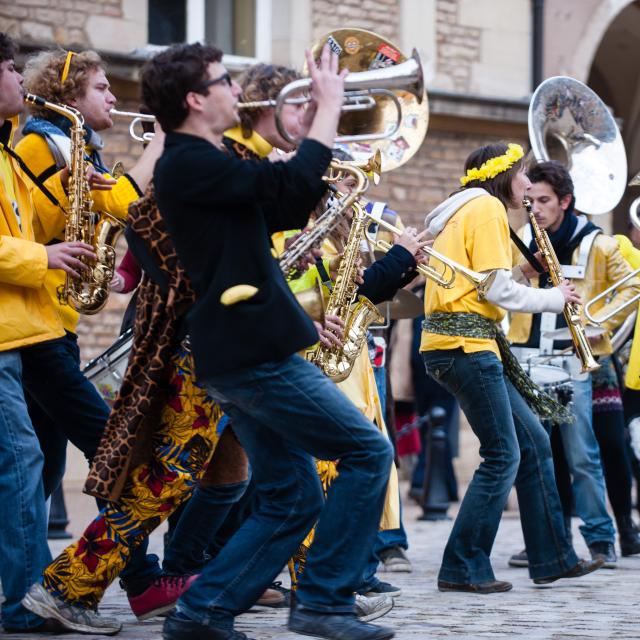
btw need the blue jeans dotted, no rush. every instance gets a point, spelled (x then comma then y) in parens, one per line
(24, 551)
(515, 448)
(202, 516)
(583, 458)
(285, 414)
(63, 406)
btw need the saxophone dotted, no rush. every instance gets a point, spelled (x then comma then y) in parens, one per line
(89, 293)
(337, 362)
(571, 310)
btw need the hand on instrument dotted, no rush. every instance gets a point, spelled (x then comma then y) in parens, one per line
(569, 292)
(117, 283)
(331, 333)
(528, 271)
(65, 256)
(98, 181)
(412, 241)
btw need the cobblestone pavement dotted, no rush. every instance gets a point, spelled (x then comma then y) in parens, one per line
(602, 605)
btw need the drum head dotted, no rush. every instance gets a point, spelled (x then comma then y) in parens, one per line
(544, 374)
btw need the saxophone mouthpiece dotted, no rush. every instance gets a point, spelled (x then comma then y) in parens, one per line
(33, 99)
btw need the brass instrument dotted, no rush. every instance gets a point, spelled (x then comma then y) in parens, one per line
(312, 238)
(568, 122)
(375, 62)
(607, 292)
(337, 362)
(571, 310)
(136, 119)
(481, 281)
(89, 293)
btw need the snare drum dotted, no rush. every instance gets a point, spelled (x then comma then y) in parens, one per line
(554, 381)
(107, 370)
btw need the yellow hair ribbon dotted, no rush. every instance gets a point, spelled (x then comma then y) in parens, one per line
(67, 64)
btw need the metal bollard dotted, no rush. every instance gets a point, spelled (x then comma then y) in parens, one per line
(58, 519)
(435, 496)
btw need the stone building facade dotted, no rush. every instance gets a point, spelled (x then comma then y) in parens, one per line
(479, 57)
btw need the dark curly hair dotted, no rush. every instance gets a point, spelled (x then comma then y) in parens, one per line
(500, 186)
(8, 48)
(555, 174)
(170, 75)
(262, 82)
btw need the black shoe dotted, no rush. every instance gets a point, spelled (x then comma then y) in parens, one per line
(628, 536)
(581, 569)
(277, 586)
(519, 559)
(493, 586)
(606, 551)
(335, 626)
(178, 627)
(383, 589)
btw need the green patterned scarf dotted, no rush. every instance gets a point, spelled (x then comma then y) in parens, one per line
(474, 325)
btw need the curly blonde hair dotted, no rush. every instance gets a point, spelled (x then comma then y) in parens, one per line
(43, 74)
(262, 82)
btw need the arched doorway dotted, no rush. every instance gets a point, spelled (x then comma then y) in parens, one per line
(614, 76)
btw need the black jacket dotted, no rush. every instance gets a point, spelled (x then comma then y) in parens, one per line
(220, 212)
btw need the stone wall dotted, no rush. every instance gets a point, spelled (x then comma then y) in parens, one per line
(63, 22)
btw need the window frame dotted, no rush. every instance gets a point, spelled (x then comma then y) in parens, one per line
(195, 10)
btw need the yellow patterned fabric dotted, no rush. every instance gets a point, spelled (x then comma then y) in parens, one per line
(182, 447)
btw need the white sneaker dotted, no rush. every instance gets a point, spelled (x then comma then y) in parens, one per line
(73, 617)
(371, 608)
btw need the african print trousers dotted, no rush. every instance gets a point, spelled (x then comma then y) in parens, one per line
(181, 449)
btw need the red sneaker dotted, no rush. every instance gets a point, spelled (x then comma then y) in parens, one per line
(161, 596)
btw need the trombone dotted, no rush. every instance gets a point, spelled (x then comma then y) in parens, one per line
(600, 319)
(136, 118)
(481, 281)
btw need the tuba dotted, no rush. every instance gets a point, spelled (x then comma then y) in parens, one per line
(89, 293)
(568, 122)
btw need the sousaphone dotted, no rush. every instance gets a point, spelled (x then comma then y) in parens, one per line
(570, 123)
(364, 51)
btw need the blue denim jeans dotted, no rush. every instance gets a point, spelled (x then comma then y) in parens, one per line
(202, 516)
(285, 414)
(64, 405)
(515, 448)
(24, 551)
(583, 458)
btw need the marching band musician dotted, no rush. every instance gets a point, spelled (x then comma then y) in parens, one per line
(245, 338)
(379, 283)
(28, 318)
(464, 352)
(596, 438)
(67, 405)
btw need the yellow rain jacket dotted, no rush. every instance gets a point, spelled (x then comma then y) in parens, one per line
(604, 267)
(632, 376)
(34, 150)
(27, 314)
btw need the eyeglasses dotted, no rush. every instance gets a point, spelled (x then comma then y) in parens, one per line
(225, 77)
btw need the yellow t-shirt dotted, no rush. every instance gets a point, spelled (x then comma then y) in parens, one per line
(477, 237)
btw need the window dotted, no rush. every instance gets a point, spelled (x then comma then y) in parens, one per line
(241, 28)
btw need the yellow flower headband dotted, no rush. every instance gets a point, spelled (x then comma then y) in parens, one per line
(67, 65)
(492, 167)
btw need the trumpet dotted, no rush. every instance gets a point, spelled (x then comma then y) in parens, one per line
(481, 281)
(603, 295)
(136, 118)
